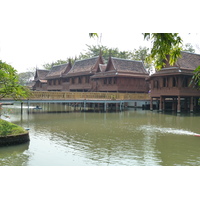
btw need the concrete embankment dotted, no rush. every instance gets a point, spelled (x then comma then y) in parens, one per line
(14, 139)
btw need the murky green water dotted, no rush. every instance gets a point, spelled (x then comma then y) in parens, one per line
(130, 138)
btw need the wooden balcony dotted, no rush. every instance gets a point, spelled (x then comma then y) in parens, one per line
(175, 91)
(37, 95)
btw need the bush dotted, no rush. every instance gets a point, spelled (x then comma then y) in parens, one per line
(7, 128)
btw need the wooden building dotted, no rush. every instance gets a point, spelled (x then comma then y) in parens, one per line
(79, 76)
(55, 80)
(40, 81)
(92, 75)
(121, 75)
(171, 85)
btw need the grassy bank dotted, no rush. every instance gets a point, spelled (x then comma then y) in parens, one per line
(7, 128)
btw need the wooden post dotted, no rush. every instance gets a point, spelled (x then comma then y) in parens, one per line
(151, 104)
(191, 104)
(21, 108)
(28, 107)
(160, 106)
(105, 107)
(84, 105)
(120, 108)
(179, 104)
(163, 104)
(173, 104)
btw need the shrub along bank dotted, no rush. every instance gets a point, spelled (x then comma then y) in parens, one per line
(11, 134)
(7, 128)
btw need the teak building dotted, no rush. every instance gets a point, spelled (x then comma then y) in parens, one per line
(121, 75)
(171, 85)
(40, 81)
(55, 80)
(80, 75)
(92, 75)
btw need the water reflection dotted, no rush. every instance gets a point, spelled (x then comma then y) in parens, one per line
(15, 155)
(133, 138)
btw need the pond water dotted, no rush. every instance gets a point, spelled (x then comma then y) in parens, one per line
(130, 138)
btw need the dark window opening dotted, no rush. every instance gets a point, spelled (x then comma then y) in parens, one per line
(174, 83)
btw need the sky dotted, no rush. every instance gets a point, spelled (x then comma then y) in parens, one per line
(33, 33)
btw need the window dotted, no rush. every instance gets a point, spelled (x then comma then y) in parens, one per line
(66, 80)
(79, 80)
(109, 80)
(185, 82)
(114, 80)
(174, 82)
(156, 84)
(87, 79)
(164, 82)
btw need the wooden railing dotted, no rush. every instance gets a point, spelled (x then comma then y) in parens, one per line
(38, 95)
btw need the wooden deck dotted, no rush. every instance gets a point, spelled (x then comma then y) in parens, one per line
(38, 95)
(83, 98)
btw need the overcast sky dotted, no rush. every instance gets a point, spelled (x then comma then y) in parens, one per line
(33, 33)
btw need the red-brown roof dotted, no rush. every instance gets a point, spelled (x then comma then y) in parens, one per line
(85, 67)
(132, 66)
(40, 75)
(58, 70)
(185, 65)
(123, 67)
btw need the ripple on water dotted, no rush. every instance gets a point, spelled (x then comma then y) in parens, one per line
(164, 130)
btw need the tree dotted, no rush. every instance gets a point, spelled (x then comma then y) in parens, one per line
(9, 83)
(26, 77)
(48, 66)
(141, 54)
(93, 51)
(188, 47)
(164, 44)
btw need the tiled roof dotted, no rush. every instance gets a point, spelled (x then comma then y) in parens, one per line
(58, 70)
(123, 65)
(83, 66)
(40, 74)
(186, 64)
(188, 61)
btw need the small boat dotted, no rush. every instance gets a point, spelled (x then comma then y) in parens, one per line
(37, 108)
(197, 135)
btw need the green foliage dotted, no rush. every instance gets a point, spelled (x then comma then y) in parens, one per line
(48, 66)
(9, 83)
(7, 128)
(163, 45)
(196, 78)
(25, 77)
(93, 51)
(93, 35)
(188, 47)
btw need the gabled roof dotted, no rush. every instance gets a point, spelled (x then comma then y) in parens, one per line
(58, 70)
(186, 64)
(40, 75)
(123, 67)
(87, 66)
(188, 61)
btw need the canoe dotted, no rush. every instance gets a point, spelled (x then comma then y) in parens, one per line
(197, 135)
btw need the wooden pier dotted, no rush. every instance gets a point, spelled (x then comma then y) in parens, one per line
(83, 99)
